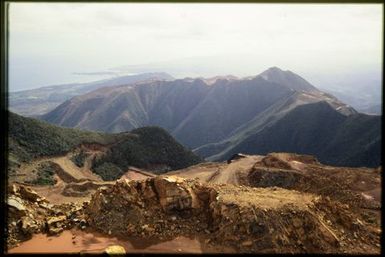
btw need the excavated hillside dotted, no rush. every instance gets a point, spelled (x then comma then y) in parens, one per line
(263, 220)
(354, 186)
(107, 155)
(279, 203)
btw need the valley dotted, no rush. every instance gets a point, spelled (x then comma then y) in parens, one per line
(250, 203)
(221, 116)
(267, 164)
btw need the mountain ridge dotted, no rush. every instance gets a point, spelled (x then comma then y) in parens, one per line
(331, 139)
(207, 116)
(35, 102)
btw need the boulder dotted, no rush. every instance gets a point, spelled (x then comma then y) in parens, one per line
(45, 205)
(115, 249)
(55, 224)
(55, 231)
(55, 220)
(28, 225)
(17, 205)
(29, 194)
(173, 195)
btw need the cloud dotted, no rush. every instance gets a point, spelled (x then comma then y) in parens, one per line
(77, 37)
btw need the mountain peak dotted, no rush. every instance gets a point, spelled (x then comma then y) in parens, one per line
(274, 69)
(288, 79)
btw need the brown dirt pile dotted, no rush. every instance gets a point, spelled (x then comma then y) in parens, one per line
(354, 186)
(263, 220)
(285, 160)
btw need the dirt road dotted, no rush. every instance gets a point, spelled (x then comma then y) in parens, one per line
(219, 173)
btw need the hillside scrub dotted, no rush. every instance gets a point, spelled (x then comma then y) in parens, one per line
(44, 175)
(150, 148)
(33, 138)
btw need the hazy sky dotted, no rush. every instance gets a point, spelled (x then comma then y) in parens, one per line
(49, 42)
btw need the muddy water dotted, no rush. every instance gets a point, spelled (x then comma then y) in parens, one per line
(77, 241)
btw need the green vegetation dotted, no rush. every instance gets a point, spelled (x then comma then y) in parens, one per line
(317, 129)
(79, 158)
(108, 171)
(45, 175)
(146, 147)
(30, 138)
(13, 164)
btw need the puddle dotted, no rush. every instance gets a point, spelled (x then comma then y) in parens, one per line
(77, 241)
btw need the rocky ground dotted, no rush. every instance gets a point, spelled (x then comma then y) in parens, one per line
(279, 203)
(29, 214)
(360, 188)
(263, 220)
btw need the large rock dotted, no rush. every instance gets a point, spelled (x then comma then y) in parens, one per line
(55, 231)
(115, 250)
(29, 225)
(16, 206)
(173, 195)
(29, 194)
(28, 213)
(55, 220)
(55, 224)
(263, 220)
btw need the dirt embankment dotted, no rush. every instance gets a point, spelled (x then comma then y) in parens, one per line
(263, 220)
(360, 188)
(134, 173)
(219, 173)
(279, 203)
(83, 188)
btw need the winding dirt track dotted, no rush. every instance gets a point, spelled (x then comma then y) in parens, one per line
(67, 174)
(71, 169)
(219, 173)
(230, 173)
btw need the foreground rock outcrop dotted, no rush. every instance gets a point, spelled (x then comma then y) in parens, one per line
(28, 214)
(279, 203)
(263, 220)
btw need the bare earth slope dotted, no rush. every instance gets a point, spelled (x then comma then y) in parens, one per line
(279, 203)
(355, 186)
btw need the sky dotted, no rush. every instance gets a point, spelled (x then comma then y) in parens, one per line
(56, 43)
